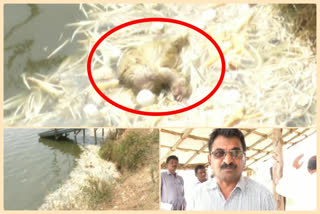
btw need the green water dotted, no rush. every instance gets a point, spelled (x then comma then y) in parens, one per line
(35, 167)
(31, 33)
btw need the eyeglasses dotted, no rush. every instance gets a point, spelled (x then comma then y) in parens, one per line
(221, 153)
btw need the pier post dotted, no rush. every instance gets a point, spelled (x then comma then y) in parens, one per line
(84, 136)
(75, 136)
(56, 136)
(95, 136)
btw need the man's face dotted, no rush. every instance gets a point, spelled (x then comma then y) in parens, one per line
(227, 168)
(172, 165)
(201, 175)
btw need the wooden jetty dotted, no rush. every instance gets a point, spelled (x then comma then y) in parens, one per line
(63, 133)
(58, 133)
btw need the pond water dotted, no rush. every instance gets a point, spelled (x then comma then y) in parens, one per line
(34, 167)
(31, 33)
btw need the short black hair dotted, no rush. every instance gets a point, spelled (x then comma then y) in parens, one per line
(228, 133)
(172, 157)
(312, 163)
(197, 168)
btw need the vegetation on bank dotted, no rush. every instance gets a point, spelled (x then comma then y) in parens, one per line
(98, 191)
(129, 150)
(136, 155)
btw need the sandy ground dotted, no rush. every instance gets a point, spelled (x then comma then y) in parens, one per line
(138, 191)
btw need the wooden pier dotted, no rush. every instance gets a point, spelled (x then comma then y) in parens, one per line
(63, 133)
(58, 133)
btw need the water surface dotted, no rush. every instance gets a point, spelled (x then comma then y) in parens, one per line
(31, 33)
(35, 167)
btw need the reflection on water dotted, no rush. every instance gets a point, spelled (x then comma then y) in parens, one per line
(65, 146)
(34, 167)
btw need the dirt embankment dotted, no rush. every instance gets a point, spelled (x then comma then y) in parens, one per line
(138, 190)
(138, 186)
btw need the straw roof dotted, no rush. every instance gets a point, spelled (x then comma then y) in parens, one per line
(191, 145)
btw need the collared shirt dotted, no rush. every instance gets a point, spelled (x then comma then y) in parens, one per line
(190, 191)
(196, 184)
(172, 190)
(247, 195)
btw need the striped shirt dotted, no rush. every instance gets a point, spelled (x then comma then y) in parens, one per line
(172, 190)
(247, 195)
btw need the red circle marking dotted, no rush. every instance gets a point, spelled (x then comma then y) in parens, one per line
(165, 113)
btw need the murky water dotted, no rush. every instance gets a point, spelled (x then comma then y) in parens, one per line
(34, 167)
(31, 33)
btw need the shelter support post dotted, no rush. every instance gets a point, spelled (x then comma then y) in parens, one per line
(277, 169)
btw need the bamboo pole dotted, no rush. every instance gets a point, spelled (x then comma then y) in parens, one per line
(277, 169)
(183, 136)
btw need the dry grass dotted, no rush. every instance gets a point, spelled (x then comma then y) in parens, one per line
(140, 182)
(270, 61)
(97, 192)
(131, 150)
(303, 17)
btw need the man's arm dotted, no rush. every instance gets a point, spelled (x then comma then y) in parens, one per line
(184, 203)
(163, 204)
(161, 190)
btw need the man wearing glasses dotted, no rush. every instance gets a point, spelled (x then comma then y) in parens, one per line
(229, 190)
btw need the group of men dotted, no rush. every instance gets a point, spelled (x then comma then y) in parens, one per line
(227, 190)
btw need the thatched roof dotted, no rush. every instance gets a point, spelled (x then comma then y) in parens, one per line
(190, 145)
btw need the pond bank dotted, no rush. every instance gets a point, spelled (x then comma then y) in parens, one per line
(70, 194)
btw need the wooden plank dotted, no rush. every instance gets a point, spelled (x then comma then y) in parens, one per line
(189, 136)
(183, 136)
(205, 146)
(255, 154)
(54, 132)
(187, 167)
(184, 149)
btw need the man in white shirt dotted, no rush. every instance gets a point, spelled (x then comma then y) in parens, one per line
(201, 174)
(172, 187)
(299, 185)
(229, 190)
